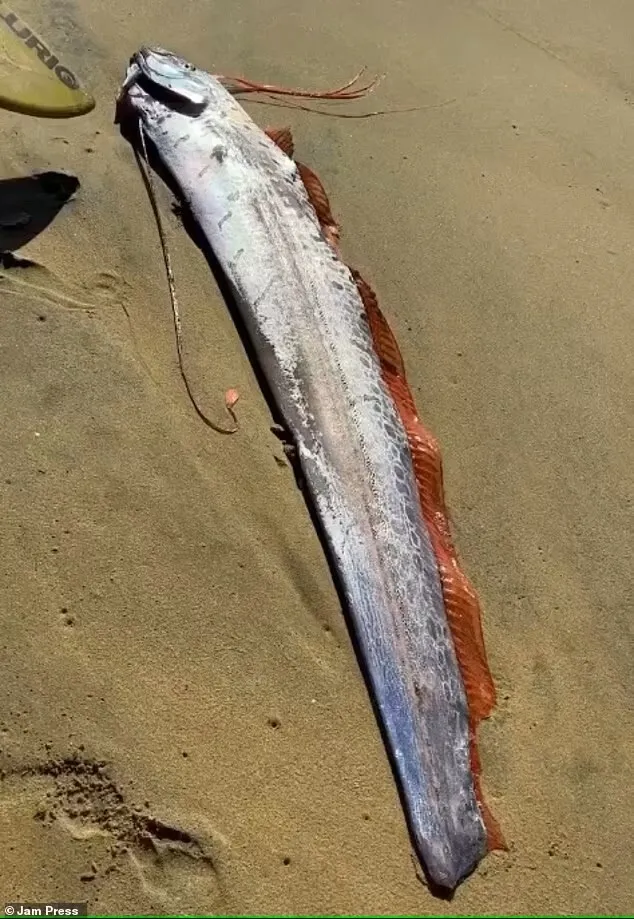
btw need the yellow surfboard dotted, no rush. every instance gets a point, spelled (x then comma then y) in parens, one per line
(33, 81)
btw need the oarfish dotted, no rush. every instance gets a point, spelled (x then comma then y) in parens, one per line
(315, 337)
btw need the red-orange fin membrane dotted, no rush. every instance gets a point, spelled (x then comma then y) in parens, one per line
(283, 138)
(495, 836)
(317, 196)
(385, 343)
(461, 603)
(319, 200)
(460, 598)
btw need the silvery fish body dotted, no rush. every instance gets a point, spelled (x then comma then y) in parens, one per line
(304, 315)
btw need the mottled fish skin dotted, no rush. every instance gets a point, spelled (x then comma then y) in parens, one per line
(303, 312)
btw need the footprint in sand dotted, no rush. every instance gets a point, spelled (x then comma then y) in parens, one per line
(24, 278)
(175, 867)
(110, 286)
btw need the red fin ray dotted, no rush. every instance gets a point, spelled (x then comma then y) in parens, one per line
(319, 200)
(283, 138)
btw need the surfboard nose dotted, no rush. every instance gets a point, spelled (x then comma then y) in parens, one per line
(33, 81)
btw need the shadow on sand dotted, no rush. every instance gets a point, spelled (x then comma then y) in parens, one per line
(29, 204)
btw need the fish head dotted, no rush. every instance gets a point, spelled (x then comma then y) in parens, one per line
(160, 80)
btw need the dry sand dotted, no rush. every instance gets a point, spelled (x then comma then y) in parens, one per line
(182, 711)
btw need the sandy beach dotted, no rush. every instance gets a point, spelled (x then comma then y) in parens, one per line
(184, 727)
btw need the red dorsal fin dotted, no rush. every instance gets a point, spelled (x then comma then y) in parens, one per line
(319, 200)
(461, 602)
(283, 138)
(385, 343)
(316, 192)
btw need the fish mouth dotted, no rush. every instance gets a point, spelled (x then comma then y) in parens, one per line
(166, 78)
(132, 77)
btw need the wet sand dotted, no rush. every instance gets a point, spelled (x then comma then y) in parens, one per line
(184, 727)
